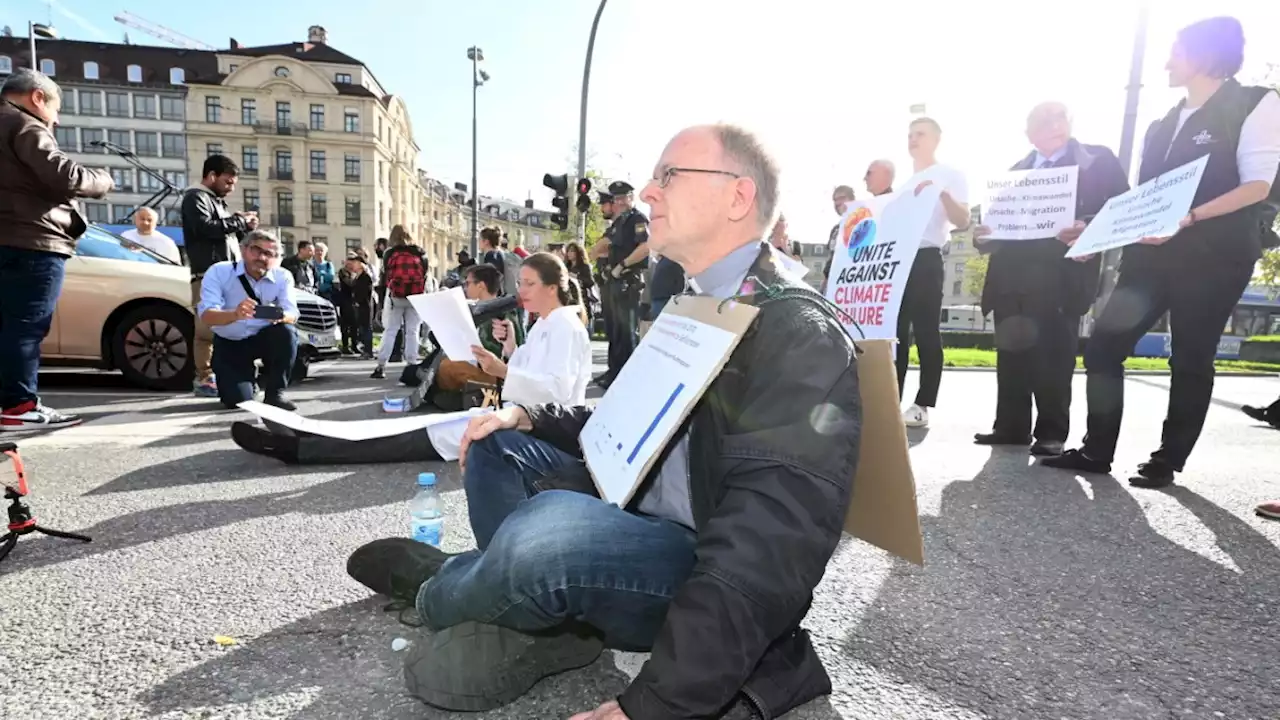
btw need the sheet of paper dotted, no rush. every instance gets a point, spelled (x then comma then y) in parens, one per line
(791, 265)
(674, 363)
(355, 429)
(1153, 209)
(1030, 204)
(875, 248)
(449, 318)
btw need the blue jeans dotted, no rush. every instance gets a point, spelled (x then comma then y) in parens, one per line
(30, 283)
(276, 346)
(551, 556)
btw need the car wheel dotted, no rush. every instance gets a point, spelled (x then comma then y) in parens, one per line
(153, 346)
(301, 368)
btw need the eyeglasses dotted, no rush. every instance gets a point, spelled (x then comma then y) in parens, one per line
(264, 252)
(664, 177)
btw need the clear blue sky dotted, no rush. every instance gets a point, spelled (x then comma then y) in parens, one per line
(827, 83)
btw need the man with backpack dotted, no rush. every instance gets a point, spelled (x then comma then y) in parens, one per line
(404, 273)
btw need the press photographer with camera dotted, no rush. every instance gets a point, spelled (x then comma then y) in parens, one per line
(249, 305)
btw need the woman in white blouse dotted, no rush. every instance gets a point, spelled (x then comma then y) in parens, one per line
(552, 366)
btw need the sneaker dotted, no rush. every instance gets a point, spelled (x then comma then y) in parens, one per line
(379, 373)
(916, 417)
(34, 416)
(396, 567)
(1270, 510)
(206, 389)
(280, 401)
(474, 667)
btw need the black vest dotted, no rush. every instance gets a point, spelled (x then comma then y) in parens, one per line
(622, 242)
(1213, 130)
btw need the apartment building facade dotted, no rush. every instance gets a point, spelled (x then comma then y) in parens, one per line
(132, 97)
(326, 154)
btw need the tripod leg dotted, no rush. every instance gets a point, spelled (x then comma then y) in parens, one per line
(8, 541)
(62, 534)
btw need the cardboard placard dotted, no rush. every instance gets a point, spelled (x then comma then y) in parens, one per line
(681, 354)
(883, 511)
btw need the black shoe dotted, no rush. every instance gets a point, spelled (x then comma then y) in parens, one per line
(1257, 413)
(998, 439)
(262, 442)
(395, 567)
(1152, 475)
(604, 380)
(280, 401)
(1077, 461)
(379, 373)
(1047, 448)
(474, 667)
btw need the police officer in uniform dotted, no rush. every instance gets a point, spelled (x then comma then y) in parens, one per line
(628, 259)
(1198, 274)
(600, 258)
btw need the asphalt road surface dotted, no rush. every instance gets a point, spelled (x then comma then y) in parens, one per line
(1043, 596)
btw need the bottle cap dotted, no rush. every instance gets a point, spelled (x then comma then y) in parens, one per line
(426, 479)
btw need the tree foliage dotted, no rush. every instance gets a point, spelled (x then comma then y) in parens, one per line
(975, 274)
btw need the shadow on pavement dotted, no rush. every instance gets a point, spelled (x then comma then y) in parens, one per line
(1042, 598)
(352, 491)
(346, 653)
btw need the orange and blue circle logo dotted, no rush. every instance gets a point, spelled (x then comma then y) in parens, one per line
(858, 230)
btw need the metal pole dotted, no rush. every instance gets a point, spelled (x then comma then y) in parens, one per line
(1111, 258)
(31, 35)
(586, 84)
(475, 196)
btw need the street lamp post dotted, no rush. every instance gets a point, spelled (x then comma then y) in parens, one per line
(47, 32)
(1111, 258)
(586, 84)
(478, 78)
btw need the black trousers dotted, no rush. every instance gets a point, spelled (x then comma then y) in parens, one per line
(623, 330)
(233, 362)
(1199, 299)
(1036, 347)
(412, 446)
(918, 317)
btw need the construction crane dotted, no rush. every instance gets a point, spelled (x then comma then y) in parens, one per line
(160, 32)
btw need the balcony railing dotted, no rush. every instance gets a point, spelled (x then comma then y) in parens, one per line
(282, 220)
(266, 128)
(278, 174)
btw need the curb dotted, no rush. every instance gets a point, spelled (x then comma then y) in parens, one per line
(1128, 373)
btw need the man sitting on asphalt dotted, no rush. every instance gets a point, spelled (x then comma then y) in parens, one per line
(713, 565)
(251, 309)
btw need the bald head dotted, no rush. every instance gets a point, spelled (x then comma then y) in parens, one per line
(879, 177)
(1049, 127)
(145, 219)
(714, 189)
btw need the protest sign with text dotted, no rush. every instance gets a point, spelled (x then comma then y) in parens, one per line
(1153, 209)
(1030, 204)
(875, 247)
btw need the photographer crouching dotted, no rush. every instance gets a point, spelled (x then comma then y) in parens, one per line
(250, 307)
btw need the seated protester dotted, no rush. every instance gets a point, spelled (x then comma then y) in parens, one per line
(233, 298)
(483, 282)
(714, 563)
(554, 365)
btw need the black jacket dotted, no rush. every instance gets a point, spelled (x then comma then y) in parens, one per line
(304, 273)
(1039, 269)
(770, 487)
(210, 231)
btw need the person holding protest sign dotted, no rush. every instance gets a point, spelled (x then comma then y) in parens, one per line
(1037, 296)
(921, 309)
(1198, 274)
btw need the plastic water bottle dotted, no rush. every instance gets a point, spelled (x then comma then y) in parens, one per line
(426, 512)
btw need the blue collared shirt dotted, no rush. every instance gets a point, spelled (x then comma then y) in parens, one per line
(1054, 158)
(667, 496)
(222, 290)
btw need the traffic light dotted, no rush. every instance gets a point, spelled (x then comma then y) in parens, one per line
(584, 196)
(559, 184)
